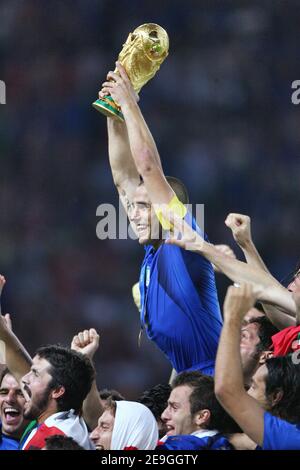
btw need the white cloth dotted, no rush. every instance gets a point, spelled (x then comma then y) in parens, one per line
(66, 423)
(135, 426)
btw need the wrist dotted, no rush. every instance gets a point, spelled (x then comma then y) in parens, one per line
(129, 106)
(247, 245)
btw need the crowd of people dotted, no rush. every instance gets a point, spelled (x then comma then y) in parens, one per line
(235, 383)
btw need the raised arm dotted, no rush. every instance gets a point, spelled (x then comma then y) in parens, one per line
(17, 358)
(124, 172)
(267, 288)
(240, 226)
(87, 342)
(142, 145)
(229, 386)
(14, 354)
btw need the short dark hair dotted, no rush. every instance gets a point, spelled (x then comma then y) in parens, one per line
(60, 442)
(105, 393)
(203, 397)
(284, 375)
(111, 405)
(265, 332)
(156, 399)
(179, 189)
(69, 369)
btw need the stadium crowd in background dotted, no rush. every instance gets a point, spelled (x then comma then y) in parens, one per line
(236, 363)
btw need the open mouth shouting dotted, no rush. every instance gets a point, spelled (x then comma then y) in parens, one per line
(12, 415)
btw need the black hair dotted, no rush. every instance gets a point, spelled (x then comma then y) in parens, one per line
(259, 307)
(284, 375)
(156, 399)
(179, 189)
(69, 369)
(60, 442)
(203, 397)
(105, 393)
(265, 332)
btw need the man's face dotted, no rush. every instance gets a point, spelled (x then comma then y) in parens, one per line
(257, 389)
(142, 218)
(36, 388)
(294, 286)
(12, 404)
(102, 434)
(177, 416)
(248, 348)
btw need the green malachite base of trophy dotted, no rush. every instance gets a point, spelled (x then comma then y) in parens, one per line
(108, 107)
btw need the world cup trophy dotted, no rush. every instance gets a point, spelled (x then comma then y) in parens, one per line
(142, 54)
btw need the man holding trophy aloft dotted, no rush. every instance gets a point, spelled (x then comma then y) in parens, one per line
(179, 305)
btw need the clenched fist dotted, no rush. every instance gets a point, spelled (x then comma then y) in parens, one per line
(240, 226)
(86, 342)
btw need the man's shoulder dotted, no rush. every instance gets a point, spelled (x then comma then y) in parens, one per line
(280, 434)
(191, 442)
(8, 443)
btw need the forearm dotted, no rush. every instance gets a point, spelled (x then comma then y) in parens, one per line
(120, 157)
(253, 257)
(269, 289)
(280, 319)
(228, 373)
(92, 408)
(142, 144)
(17, 358)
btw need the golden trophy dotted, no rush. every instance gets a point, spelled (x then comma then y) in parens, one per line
(142, 54)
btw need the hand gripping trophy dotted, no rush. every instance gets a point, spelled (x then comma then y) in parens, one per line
(142, 54)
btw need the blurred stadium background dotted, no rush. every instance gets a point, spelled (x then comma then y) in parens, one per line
(221, 113)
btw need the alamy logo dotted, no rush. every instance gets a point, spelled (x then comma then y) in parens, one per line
(2, 92)
(295, 98)
(113, 223)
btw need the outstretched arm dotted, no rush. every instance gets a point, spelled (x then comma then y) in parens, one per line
(87, 342)
(229, 386)
(240, 226)
(267, 288)
(14, 354)
(142, 145)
